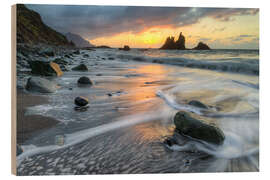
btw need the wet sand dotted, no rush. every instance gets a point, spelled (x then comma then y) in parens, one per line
(28, 124)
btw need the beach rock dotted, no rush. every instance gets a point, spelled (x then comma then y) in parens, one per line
(189, 126)
(202, 46)
(197, 104)
(45, 68)
(76, 52)
(81, 101)
(170, 141)
(41, 85)
(81, 67)
(60, 61)
(84, 80)
(126, 48)
(19, 150)
(63, 67)
(47, 52)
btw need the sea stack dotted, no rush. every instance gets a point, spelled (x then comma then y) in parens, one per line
(171, 44)
(202, 46)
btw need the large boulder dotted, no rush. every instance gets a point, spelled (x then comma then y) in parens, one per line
(81, 67)
(189, 126)
(84, 80)
(41, 85)
(81, 101)
(202, 46)
(44, 68)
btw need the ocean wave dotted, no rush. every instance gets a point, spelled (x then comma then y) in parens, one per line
(236, 65)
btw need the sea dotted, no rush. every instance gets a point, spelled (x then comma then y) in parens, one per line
(132, 102)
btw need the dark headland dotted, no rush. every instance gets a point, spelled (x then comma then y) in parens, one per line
(171, 44)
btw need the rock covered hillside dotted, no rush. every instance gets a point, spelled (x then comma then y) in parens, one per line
(32, 30)
(78, 40)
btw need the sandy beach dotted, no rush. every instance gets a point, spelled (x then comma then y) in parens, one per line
(27, 125)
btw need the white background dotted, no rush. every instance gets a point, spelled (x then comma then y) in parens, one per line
(5, 86)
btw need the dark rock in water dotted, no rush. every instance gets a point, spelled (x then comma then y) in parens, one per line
(103, 58)
(171, 44)
(85, 55)
(81, 67)
(67, 56)
(81, 101)
(99, 74)
(197, 129)
(111, 58)
(47, 52)
(19, 150)
(63, 67)
(157, 61)
(197, 104)
(60, 61)
(126, 48)
(103, 46)
(83, 108)
(84, 80)
(41, 85)
(170, 141)
(109, 94)
(45, 68)
(77, 52)
(202, 46)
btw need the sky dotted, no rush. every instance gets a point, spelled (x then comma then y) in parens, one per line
(148, 27)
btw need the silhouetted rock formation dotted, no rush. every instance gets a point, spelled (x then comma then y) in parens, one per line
(202, 46)
(126, 48)
(171, 44)
(180, 44)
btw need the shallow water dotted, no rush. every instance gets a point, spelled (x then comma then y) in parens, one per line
(123, 133)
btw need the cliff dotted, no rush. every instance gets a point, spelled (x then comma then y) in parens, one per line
(32, 30)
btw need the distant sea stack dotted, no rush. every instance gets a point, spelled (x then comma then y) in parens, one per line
(78, 40)
(202, 46)
(180, 44)
(32, 30)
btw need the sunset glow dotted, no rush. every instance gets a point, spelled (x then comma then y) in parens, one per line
(148, 27)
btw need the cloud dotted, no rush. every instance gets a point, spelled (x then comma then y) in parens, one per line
(243, 38)
(98, 21)
(219, 29)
